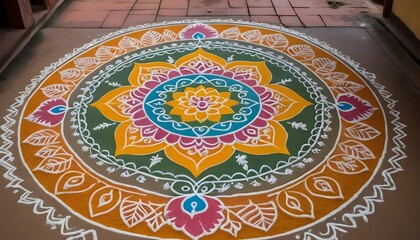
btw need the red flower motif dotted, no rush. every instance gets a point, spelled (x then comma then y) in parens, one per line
(195, 215)
(198, 31)
(49, 113)
(354, 109)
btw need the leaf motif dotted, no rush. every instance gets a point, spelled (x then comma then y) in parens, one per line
(156, 221)
(230, 33)
(277, 41)
(55, 163)
(323, 186)
(337, 76)
(231, 227)
(48, 151)
(346, 164)
(261, 216)
(151, 37)
(323, 65)
(346, 87)
(42, 137)
(356, 149)
(362, 131)
(134, 210)
(129, 43)
(73, 182)
(105, 53)
(55, 90)
(104, 200)
(301, 52)
(86, 63)
(296, 204)
(251, 35)
(84, 235)
(169, 35)
(71, 75)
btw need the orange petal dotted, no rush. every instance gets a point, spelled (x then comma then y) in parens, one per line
(108, 104)
(200, 93)
(231, 103)
(173, 103)
(176, 111)
(272, 139)
(129, 140)
(188, 118)
(224, 94)
(201, 116)
(183, 61)
(178, 95)
(291, 104)
(259, 71)
(143, 71)
(215, 117)
(197, 163)
(226, 110)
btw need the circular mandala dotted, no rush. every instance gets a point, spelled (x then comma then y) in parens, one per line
(204, 128)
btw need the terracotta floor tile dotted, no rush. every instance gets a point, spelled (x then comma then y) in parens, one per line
(172, 12)
(113, 1)
(133, 20)
(285, 11)
(217, 12)
(290, 21)
(237, 3)
(208, 4)
(341, 21)
(259, 3)
(281, 3)
(115, 19)
(84, 16)
(174, 4)
(71, 24)
(173, 18)
(98, 6)
(145, 6)
(312, 21)
(327, 11)
(262, 11)
(309, 3)
(144, 12)
(266, 19)
(147, 1)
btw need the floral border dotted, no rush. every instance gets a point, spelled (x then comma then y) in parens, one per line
(79, 110)
(333, 228)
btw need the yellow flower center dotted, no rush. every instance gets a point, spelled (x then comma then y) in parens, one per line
(201, 104)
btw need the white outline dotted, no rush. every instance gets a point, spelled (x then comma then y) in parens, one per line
(333, 228)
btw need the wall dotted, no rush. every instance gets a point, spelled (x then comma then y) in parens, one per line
(409, 12)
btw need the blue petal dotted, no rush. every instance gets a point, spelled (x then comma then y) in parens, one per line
(57, 109)
(194, 204)
(198, 35)
(344, 106)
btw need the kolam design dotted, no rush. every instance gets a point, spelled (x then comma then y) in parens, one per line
(205, 129)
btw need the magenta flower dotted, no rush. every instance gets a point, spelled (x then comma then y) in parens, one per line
(195, 215)
(49, 113)
(353, 109)
(198, 31)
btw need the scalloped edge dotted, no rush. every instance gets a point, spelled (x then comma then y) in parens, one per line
(333, 228)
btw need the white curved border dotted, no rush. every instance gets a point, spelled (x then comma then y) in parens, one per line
(348, 220)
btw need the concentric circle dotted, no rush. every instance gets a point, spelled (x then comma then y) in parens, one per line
(204, 128)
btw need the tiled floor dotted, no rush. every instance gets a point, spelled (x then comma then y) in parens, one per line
(122, 13)
(80, 21)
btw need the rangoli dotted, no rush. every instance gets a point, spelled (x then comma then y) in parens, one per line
(205, 129)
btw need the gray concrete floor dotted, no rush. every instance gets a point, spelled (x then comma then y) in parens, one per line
(374, 48)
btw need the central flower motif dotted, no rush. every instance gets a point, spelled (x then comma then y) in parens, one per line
(146, 127)
(201, 104)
